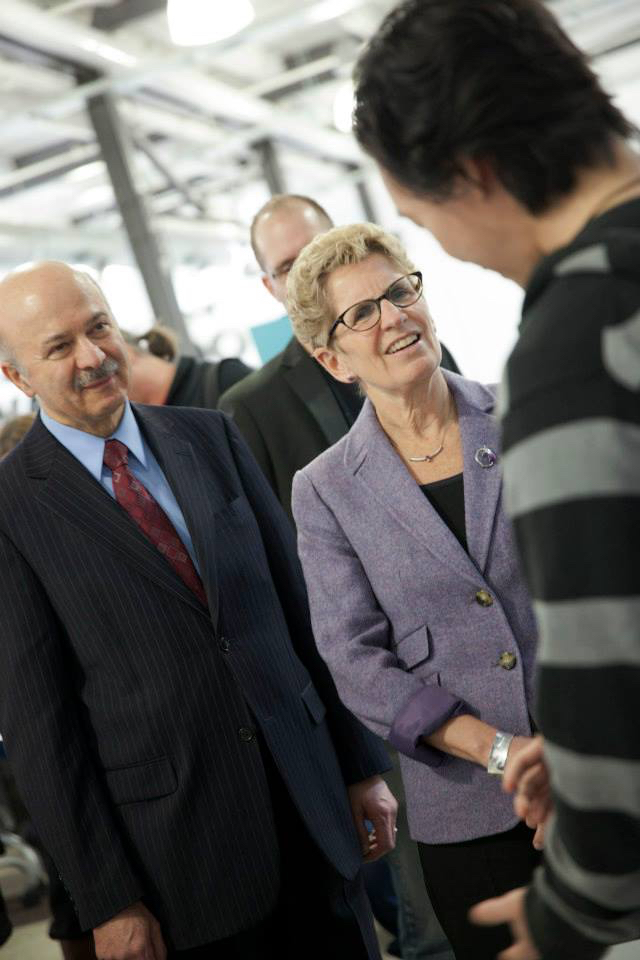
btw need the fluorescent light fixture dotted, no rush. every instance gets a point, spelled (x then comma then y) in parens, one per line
(194, 23)
(330, 9)
(343, 104)
(86, 171)
(108, 52)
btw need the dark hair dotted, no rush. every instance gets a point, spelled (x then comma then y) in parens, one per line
(13, 431)
(282, 201)
(496, 80)
(159, 341)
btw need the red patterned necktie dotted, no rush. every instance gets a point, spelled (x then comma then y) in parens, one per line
(150, 517)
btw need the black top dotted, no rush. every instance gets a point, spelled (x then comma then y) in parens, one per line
(199, 383)
(447, 497)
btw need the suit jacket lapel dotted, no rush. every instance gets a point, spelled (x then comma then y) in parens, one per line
(383, 474)
(482, 485)
(65, 487)
(305, 378)
(198, 502)
(378, 467)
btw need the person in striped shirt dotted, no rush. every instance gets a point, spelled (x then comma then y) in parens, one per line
(491, 130)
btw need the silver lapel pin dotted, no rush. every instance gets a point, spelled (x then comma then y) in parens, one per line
(485, 457)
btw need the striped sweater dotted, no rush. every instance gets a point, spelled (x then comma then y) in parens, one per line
(571, 421)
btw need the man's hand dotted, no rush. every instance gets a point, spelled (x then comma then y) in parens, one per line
(133, 934)
(372, 800)
(508, 909)
(527, 775)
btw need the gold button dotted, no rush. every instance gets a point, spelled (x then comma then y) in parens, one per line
(484, 598)
(507, 660)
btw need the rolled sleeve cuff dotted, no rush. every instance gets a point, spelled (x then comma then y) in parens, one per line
(423, 713)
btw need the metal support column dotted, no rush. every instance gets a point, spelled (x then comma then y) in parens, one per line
(271, 170)
(157, 279)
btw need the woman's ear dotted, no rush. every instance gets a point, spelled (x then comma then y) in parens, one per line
(334, 363)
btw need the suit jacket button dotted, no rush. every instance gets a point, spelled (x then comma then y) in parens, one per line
(224, 645)
(246, 734)
(484, 598)
(507, 660)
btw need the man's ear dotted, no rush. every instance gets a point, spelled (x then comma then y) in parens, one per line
(12, 373)
(333, 364)
(266, 282)
(479, 173)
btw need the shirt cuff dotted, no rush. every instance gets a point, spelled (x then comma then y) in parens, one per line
(554, 938)
(423, 713)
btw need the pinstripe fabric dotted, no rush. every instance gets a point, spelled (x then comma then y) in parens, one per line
(122, 699)
(572, 468)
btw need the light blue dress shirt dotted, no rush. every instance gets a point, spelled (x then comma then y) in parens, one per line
(89, 450)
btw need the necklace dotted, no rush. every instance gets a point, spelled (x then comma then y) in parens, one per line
(428, 457)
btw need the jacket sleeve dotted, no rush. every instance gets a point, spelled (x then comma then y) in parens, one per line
(48, 743)
(353, 635)
(360, 755)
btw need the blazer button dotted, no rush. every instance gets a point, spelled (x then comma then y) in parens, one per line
(484, 598)
(224, 645)
(507, 660)
(246, 734)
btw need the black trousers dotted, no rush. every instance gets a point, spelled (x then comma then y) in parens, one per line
(459, 875)
(319, 914)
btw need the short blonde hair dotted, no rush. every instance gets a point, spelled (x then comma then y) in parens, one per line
(308, 305)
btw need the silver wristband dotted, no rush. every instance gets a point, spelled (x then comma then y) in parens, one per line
(498, 753)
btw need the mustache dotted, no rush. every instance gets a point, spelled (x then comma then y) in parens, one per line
(87, 377)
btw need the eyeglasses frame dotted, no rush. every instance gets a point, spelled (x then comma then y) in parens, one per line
(378, 302)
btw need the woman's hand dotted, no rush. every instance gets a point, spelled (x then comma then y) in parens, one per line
(526, 774)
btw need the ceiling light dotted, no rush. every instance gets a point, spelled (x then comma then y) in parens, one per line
(330, 9)
(85, 171)
(193, 23)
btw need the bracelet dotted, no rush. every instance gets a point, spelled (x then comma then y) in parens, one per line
(498, 753)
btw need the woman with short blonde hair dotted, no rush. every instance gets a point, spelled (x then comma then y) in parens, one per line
(417, 599)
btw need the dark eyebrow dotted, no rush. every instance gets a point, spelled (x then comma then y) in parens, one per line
(62, 336)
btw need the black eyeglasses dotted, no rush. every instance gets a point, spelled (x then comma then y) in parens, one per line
(365, 314)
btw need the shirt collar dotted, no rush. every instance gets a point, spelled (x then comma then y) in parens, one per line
(89, 449)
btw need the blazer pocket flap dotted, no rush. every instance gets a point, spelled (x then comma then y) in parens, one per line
(313, 703)
(142, 781)
(413, 649)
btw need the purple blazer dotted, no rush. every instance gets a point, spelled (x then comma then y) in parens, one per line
(397, 615)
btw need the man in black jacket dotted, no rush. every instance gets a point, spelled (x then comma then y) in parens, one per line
(291, 410)
(173, 731)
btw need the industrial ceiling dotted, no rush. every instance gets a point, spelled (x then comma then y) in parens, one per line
(210, 130)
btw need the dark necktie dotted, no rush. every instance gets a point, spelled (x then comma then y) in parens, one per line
(150, 517)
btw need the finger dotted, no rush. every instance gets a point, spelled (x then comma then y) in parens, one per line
(363, 835)
(489, 912)
(516, 952)
(538, 838)
(533, 780)
(518, 764)
(384, 829)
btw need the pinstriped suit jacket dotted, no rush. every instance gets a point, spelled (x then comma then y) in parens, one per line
(125, 705)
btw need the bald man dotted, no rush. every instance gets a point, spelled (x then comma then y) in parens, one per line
(174, 734)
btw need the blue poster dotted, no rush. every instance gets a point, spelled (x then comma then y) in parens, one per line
(270, 338)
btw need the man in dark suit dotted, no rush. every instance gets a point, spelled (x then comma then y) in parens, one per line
(174, 733)
(291, 410)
